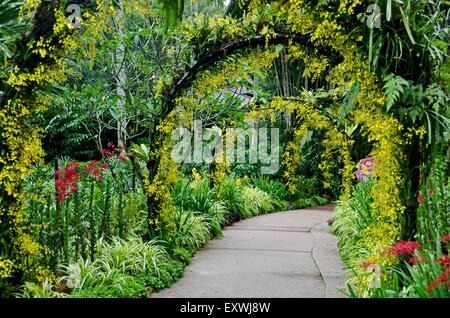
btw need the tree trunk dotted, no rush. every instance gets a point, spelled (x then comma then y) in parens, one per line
(415, 156)
(121, 79)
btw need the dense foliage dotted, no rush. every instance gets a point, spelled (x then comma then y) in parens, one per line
(92, 202)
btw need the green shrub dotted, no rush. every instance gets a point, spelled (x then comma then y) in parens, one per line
(256, 202)
(320, 200)
(171, 270)
(350, 218)
(131, 256)
(230, 193)
(275, 188)
(122, 266)
(193, 196)
(217, 217)
(304, 203)
(117, 285)
(192, 230)
(182, 254)
(426, 277)
(306, 187)
(418, 279)
(96, 209)
(196, 196)
(134, 213)
(433, 214)
(44, 290)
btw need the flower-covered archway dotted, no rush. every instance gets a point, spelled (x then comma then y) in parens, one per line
(319, 38)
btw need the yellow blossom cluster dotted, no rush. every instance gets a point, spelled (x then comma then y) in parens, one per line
(291, 159)
(167, 174)
(221, 168)
(197, 177)
(6, 268)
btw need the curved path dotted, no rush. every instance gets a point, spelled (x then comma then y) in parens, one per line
(283, 254)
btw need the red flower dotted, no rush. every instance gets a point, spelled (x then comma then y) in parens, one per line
(111, 145)
(94, 170)
(66, 178)
(61, 197)
(107, 152)
(443, 260)
(403, 247)
(59, 184)
(446, 238)
(70, 172)
(118, 153)
(111, 150)
(420, 197)
(443, 278)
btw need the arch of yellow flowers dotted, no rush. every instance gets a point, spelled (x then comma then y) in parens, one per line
(382, 130)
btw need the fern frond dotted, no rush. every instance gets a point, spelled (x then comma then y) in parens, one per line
(394, 87)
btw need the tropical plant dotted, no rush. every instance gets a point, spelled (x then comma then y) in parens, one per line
(269, 185)
(10, 28)
(193, 195)
(230, 193)
(350, 218)
(124, 268)
(217, 217)
(433, 214)
(192, 230)
(44, 290)
(256, 202)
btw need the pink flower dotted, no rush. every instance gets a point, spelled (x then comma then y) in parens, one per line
(446, 238)
(107, 152)
(111, 145)
(118, 153)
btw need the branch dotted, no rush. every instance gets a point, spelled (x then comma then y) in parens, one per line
(208, 59)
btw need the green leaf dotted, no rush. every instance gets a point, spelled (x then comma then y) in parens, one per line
(394, 87)
(140, 151)
(349, 101)
(405, 19)
(388, 10)
(415, 112)
(173, 10)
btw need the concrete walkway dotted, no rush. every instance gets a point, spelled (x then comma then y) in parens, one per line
(283, 254)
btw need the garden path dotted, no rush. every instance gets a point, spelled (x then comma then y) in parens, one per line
(283, 254)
